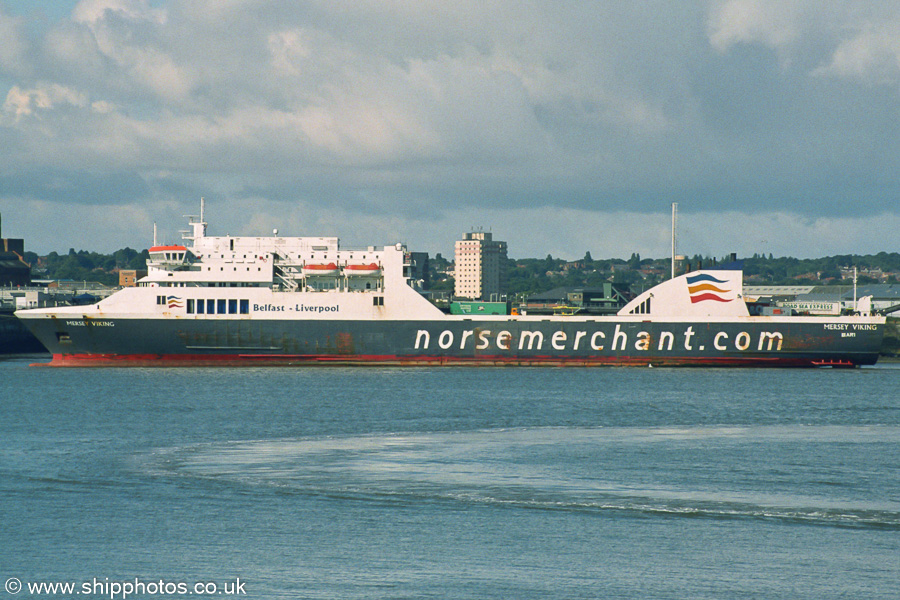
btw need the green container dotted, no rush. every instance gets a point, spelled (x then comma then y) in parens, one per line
(479, 308)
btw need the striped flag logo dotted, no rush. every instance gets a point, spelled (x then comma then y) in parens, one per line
(175, 302)
(705, 287)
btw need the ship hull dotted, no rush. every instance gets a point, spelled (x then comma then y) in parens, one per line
(750, 342)
(15, 338)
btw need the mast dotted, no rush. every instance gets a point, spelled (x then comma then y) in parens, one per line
(198, 225)
(674, 213)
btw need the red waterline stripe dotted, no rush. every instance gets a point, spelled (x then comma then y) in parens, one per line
(196, 360)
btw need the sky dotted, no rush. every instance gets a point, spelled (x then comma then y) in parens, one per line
(561, 127)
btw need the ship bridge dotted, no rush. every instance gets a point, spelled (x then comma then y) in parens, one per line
(170, 258)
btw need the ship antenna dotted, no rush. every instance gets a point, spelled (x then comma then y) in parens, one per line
(154, 233)
(674, 213)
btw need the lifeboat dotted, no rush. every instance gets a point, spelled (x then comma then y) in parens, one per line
(320, 269)
(356, 270)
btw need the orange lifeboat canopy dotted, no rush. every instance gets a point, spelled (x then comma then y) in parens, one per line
(366, 269)
(320, 269)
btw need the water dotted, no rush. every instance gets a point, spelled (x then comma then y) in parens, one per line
(453, 482)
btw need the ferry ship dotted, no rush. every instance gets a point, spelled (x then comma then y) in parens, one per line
(224, 300)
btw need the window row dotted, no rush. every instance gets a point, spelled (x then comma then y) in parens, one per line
(219, 306)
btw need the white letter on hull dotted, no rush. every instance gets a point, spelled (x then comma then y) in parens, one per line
(688, 334)
(578, 336)
(766, 335)
(446, 339)
(463, 338)
(422, 334)
(558, 341)
(503, 338)
(619, 335)
(643, 342)
(531, 335)
(666, 336)
(483, 341)
(720, 335)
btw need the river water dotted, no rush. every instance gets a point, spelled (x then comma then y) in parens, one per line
(485, 483)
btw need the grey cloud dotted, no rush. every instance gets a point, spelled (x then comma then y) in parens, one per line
(75, 187)
(413, 107)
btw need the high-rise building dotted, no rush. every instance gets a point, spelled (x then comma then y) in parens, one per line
(479, 269)
(13, 268)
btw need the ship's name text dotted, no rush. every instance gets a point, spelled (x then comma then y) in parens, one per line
(855, 326)
(484, 339)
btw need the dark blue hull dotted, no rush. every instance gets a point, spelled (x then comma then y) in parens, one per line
(15, 338)
(762, 342)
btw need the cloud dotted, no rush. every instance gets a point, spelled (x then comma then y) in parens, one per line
(871, 56)
(96, 11)
(856, 41)
(75, 188)
(14, 47)
(773, 23)
(46, 97)
(132, 36)
(429, 111)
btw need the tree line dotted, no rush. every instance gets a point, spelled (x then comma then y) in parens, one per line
(533, 275)
(86, 266)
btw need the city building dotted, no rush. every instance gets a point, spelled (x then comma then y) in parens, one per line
(14, 271)
(129, 277)
(480, 267)
(419, 269)
(601, 300)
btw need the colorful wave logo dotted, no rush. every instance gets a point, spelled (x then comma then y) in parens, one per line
(175, 302)
(703, 287)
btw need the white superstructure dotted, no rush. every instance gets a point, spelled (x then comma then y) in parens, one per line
(297, 277)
